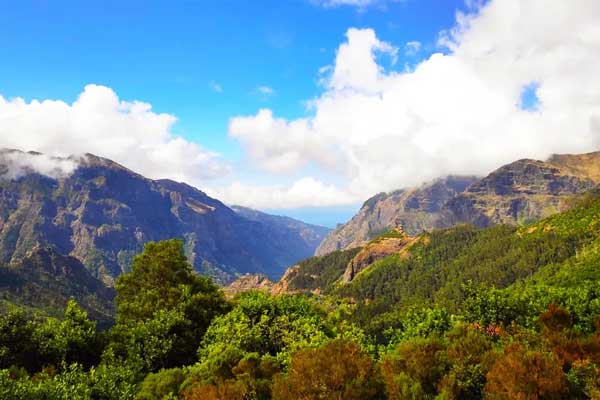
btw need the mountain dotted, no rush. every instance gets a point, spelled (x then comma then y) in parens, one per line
(526, 190)
(438, 267)
(43, 281)
(414, 209)
(301, 238)
(102, 213)
(517, 193)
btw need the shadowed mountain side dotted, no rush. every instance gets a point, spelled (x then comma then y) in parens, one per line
(102, 214)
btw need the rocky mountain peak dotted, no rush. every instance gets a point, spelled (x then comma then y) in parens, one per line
(101, 213)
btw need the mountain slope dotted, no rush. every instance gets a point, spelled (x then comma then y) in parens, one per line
(45, 280)
(525, 190)
(514, 194)
(300, 238)
(102, 214)
(527, 265)
(414, 210)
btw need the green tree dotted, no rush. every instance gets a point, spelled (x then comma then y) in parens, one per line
(338, 370)
(18, 345)
(163, 308)
(161, 385)
(414, 369)
(73, 339)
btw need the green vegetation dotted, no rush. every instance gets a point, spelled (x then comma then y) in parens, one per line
(321, 272)
(498, 313)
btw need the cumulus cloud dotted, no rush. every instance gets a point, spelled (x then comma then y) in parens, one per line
(99, 122)
(457, 112)
(303, 192)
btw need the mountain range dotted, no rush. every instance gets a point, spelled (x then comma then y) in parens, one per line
(515, 194)
(102, 213)
(71, 234)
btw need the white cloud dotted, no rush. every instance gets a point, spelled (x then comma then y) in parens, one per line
(303, 192)
(98, 122)
(265, 90)
(215, 87)
(412, 48)
(453, 113)
(14, 164)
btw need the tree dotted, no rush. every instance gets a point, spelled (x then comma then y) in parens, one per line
(163, 308)
(414, 369)
(469, 354)
(525, 374)
(73, 339)
(161, 385)
(18, 346)
(251, 379)
(338, 370)
(266, 325)
(160, 279)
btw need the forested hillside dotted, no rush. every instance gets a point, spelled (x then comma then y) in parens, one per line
(461, 313)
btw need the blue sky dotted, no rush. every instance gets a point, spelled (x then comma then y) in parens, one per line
(385, 114)
(202, 61)
(169, 53)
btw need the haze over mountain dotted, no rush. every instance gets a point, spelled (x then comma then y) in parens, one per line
(102, 213)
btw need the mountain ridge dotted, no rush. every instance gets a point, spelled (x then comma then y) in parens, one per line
(102, 213)
(516, 193)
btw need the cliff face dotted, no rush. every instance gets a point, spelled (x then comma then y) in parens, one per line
(414, 210)
(524, 191)
(102, 214)
(517, 193)
(395, 242)
(248, 282)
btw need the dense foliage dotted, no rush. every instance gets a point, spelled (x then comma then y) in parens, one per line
(320, 272)
(498, 313)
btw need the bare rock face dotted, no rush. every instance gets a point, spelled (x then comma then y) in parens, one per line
(414, 210)
(525, 191)
(248, 282)
(397, 242)
(517, 193)
(102, 214)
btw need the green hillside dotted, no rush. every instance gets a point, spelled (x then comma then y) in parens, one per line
(460, 313)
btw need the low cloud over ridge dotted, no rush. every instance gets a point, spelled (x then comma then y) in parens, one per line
(99, 122)
(457, 112)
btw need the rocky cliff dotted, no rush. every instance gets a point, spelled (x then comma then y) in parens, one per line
(517, 193)
(414, 210)
(102, 213)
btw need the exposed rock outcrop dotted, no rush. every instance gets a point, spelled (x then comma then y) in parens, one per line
(517, 193)
(396, 242)
(414, 210)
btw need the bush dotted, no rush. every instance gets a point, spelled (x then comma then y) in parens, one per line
(338, 370)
